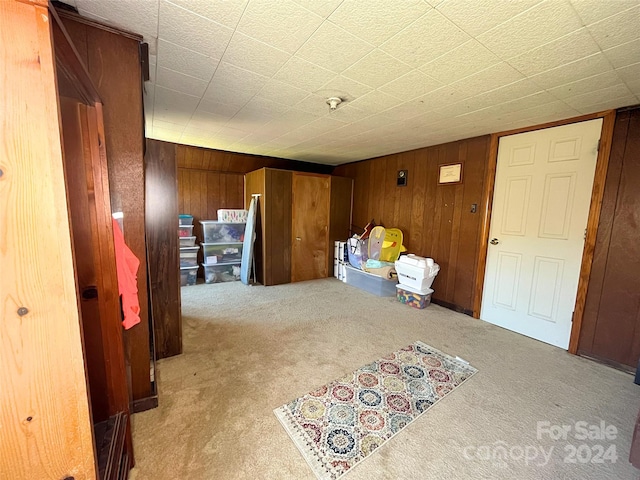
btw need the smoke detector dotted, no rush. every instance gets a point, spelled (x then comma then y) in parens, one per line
(333, 102)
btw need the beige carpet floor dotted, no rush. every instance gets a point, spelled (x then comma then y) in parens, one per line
(248, 350)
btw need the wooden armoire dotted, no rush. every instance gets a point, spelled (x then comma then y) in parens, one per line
(300, 216)
(65, 395)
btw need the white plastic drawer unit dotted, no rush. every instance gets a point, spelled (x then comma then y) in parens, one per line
(219, 232)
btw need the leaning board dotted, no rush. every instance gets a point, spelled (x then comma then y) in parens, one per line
(247, 245)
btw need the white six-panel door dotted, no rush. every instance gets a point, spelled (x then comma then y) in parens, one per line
(539, 218)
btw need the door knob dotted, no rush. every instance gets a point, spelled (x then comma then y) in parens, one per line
(494, 241)
(298, 238)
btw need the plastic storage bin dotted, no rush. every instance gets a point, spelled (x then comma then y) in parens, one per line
(232, 216)
(214, 253)
(189, 256)
(226, 272)
(412, 297)
(187, 241)
(184, 219)
(369, 282)
(185, 231)
(416, 272)
(188, 275)
(220, 232)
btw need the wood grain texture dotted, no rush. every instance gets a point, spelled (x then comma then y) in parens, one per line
(485, 223)
(311, 204)
(597, 192)
(339, 215)
(162, 246)
(46, 427)
(113, 65)
(222, 161)
(611, 322)
(277, 227)
(436, 220)
(202, 193)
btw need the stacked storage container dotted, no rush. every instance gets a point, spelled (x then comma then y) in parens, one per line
(188, 251)
(222, 250)
(415, 274)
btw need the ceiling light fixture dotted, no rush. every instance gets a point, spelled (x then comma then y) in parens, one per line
(333, 102)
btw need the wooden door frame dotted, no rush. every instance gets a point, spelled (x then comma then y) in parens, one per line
(600, 175)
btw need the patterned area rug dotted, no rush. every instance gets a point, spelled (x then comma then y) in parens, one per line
(340, 424)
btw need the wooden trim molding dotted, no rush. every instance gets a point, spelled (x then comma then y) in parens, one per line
(602, 164)
(597, 193)
(485, 223)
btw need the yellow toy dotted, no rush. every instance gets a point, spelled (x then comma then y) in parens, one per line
(392, 245)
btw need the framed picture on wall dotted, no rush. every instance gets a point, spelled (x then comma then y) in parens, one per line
(449, 174)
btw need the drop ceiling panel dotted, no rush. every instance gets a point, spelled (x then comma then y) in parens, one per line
(333, 48)
(183, 27)
(254, 75)
(541, 24)
(425, 39)
(377, 21)
(283, 24)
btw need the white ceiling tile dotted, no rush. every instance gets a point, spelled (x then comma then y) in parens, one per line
(580, 102)
(344, 88)
(609, 104)
(404, 111)
(541, 24)
(378, 20)
(279, 92)
(375, 102)
(139, 17)
(333, 48)
(168, 126)
(617, 29)
(214, 106)
(264, 106)
(629, 73)
(185, 28)
(429, 37)
(315, 104)
(634, 86)
(226, 12)
(376, 69)
(247, 122)
(586, 85)
(283, 24)
(467, 59)
(411, 85)
(478, 16)
(324, 8)
(625, 54)
(152, 59)
(180, 59)
(177, 100)
(180, 82)
(165, 135)
(232, 78)
(569, 48)
(497, 76)
(571, 72)
(349, 114)
(206, 121)
(441, 97)
(250, 54)
(592, 11)
(303, 75)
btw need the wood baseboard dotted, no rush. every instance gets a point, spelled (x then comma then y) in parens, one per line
(144, 404)
(453, 307)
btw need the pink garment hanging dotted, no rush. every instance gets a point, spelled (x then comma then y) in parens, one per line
(127, 267)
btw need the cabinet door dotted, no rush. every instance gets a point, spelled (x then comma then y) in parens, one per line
(310, 228)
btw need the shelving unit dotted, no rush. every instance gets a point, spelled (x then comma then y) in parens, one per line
(222, 250)
(188, 251)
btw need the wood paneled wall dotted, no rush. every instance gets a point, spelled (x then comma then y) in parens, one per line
(212, 179)
(436, 220)
(113, 63)
(162, 246)
(611, 322)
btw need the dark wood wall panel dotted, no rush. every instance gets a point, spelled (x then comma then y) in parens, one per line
(222, 161)
(113, 62)
(277, 203)
(340, 214)
(611, 322)
(201, 193)
(436, 220)
(162, 246)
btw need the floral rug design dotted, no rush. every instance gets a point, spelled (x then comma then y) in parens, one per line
(339, 424)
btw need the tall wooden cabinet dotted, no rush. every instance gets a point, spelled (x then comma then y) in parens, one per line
(300, 215)
(64, 395)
